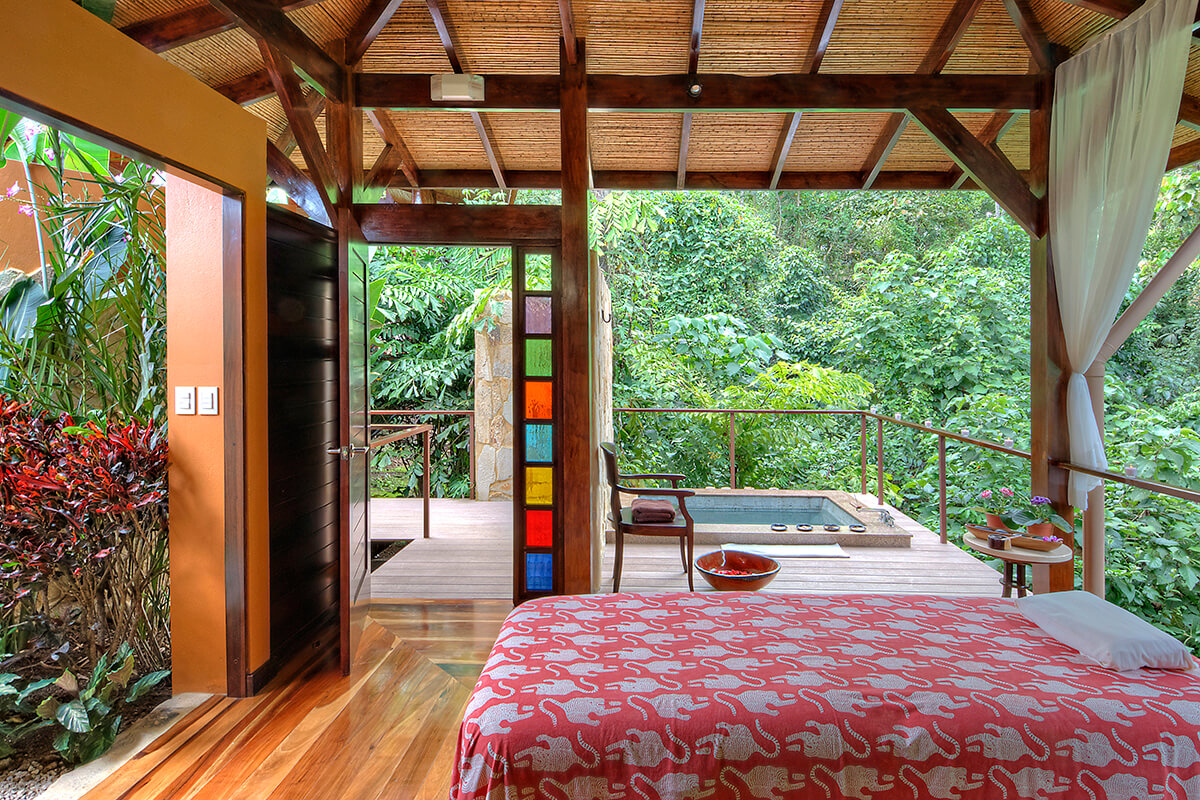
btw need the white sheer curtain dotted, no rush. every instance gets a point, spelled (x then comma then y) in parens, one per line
(1115, 107)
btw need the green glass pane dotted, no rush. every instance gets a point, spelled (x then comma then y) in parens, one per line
(537, 358)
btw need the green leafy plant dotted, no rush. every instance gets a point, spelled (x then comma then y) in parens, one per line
(89, 714)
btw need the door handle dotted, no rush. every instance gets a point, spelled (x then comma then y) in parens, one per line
(348, 452)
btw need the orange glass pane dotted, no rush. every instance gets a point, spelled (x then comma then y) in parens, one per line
(539, 486)
(538, 531)
(537, 399)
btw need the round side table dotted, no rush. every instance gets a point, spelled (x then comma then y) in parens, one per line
(1018, 558)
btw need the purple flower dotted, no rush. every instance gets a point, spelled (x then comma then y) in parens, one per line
(1040, 501)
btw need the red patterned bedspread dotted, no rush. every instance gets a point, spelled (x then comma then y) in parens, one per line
(784, 696)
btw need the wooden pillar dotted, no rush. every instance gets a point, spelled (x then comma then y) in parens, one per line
(576, 461)
(1048, 365)
(1094, 536)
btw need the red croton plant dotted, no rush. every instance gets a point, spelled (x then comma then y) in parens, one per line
(83, 527)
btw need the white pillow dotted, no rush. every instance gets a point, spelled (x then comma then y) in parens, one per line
(1104, 633)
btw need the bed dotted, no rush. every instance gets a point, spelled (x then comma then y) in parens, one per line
(745, 695)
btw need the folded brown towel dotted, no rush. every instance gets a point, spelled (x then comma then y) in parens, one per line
(646, 510)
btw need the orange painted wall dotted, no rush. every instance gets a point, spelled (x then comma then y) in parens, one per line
(63, 65)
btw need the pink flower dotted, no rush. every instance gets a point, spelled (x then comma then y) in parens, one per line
(1006, 492)
(12, 190)
(26, 209)
(986, 494)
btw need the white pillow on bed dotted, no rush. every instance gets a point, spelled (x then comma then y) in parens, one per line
(1103, 632)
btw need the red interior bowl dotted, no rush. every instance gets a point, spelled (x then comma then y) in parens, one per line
(762, 570)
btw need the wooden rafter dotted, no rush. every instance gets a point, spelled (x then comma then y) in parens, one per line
(189, 24)
(1184, 154)
(989, 169)
(299, 186)
(685, 132)
(384, 169)
(263, 20)
(1118, 9)
(935, 59)
(366, 30)
(442, 24)
(722, 92)
(286, 141)
(1189, 111)
(567, 17)
(287, 86)
(390, 134)
(1045, 53)
(248, 88)
(991, 134)
(822, 34)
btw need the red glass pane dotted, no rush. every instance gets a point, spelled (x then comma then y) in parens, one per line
(538, 531)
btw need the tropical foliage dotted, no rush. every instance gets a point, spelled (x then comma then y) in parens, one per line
(915, 303)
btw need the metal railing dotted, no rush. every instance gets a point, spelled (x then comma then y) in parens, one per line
(408, 432)
(468, 413)
(942, 435)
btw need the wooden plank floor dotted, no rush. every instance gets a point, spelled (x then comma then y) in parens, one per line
(469, 555)
(387, 731)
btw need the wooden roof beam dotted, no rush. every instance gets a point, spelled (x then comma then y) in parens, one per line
(304, 127)
(1183, 154)
(299, 186)
(263, 20)
(1118, 9)
(666, 180)
(567, 17)
(286, 141)
(173, 29)
(390, 134)
(386, 165)
(366, 30)
(990, 170)
(721, 92)
(248, 88)
(1046, 54)
(822, 34)
(991, 134)
(936, 57)
(442, 24)
(685, 132)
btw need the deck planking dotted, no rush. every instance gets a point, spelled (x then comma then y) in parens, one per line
(469, 555)
(387, 731)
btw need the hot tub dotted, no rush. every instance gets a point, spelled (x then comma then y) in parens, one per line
(745, 516)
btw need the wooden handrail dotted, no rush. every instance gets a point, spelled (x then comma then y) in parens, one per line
(1138, 483)
(407, 433)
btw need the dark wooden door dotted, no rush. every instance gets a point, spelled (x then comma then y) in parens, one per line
(352, 357)
(303, 418)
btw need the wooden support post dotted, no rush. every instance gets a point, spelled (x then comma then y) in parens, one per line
(862, 452)
(1094, 535)
(1048, 363)
(942, 521)
(732, 453)
(879, 460)
(425, 482)
(575, 418)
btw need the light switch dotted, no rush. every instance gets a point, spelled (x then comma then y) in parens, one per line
(206, 401)
(185, 400)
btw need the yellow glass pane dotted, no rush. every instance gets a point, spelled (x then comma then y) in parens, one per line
(539, 486)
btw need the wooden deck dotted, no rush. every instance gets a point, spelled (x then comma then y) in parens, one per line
(469, 555)
(388, 731)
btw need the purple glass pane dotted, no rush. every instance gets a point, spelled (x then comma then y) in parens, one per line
(537, 315)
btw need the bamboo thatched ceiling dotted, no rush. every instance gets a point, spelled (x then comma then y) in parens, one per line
(655, 37)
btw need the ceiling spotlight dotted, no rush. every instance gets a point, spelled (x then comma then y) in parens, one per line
(694, 89)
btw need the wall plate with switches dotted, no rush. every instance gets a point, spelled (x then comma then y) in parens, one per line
(206, 401)
(185, 400)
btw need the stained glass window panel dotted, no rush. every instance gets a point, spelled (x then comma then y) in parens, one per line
(537, 400)
(539, 486)
(538, 443)
(537, 315)
(539, 572)
(539, 527)
(537, 358)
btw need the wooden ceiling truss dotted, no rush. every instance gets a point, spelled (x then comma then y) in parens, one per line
(927, 96)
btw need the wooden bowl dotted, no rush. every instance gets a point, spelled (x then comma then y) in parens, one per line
(762, 570)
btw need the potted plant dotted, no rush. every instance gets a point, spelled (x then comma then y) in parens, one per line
(1039, 519)
(996, 507)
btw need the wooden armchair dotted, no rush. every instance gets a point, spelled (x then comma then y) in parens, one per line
(681, 526)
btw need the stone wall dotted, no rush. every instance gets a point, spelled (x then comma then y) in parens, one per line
(494, 407)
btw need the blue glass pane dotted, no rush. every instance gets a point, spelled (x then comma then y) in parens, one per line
(539, 572)
(538, 445)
